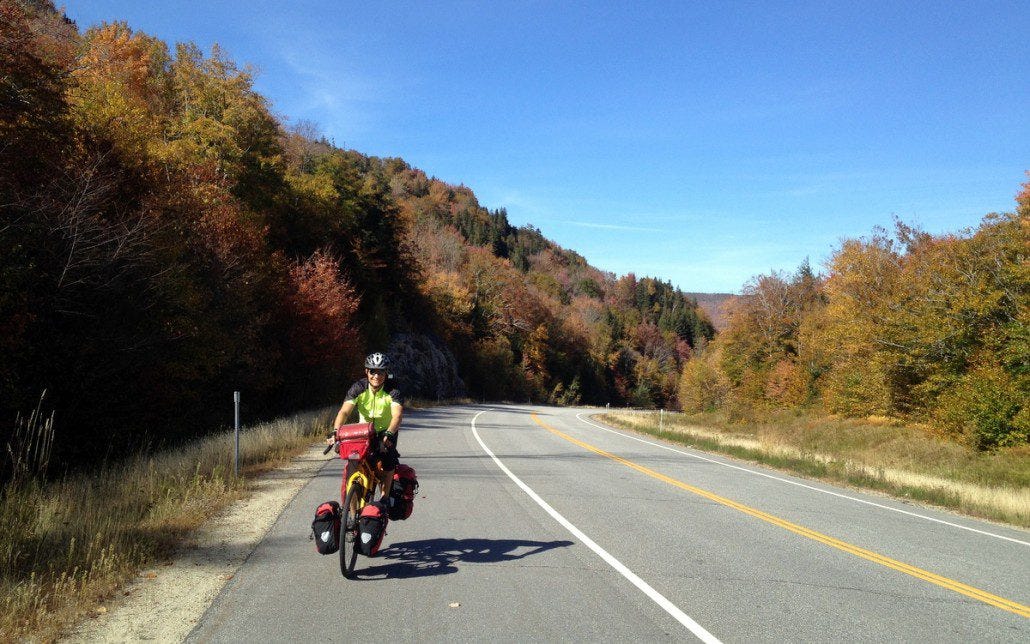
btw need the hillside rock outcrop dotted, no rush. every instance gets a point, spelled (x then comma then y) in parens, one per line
(425, 367)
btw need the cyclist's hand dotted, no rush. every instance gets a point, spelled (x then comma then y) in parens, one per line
(387, 441)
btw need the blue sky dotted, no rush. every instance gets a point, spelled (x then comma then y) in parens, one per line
(699, 142)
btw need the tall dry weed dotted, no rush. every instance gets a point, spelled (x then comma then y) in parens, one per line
(28, 450)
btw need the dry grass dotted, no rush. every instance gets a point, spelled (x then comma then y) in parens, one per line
(875, 453)
(67, 545)
(429, 403)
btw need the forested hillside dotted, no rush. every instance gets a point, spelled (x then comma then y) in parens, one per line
(167, 240)
(933, 329)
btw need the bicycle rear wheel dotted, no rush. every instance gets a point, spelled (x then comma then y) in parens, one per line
(349, 535)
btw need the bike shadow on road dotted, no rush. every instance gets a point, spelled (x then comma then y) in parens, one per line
(431, 557)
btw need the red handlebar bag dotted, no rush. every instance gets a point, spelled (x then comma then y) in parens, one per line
(354, 440)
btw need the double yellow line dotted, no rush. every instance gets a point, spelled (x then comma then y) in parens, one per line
(919, 573)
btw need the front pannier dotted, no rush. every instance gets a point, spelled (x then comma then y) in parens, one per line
(402, 492)
(372, 524)
(326, 527)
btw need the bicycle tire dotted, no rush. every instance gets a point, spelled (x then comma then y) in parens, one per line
(349, 550)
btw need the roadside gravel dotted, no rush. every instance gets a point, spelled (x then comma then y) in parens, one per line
(165, 602)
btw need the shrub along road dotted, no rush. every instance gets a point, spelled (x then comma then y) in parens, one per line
(538, 523)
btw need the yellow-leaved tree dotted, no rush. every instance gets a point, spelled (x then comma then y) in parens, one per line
(861, 286)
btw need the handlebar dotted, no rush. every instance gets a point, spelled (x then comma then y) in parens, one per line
(334, 444)
(382, 447)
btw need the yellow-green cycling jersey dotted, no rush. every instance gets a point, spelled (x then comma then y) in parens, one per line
(373, 405)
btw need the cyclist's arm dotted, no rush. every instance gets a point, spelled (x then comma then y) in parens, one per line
(396, 411)
(396, 408)
(344, 413)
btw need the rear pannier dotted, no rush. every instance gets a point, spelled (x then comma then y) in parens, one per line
(326, 528)
(402, 493)
(372, 524)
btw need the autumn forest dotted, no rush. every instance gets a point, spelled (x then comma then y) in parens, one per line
(166, 239)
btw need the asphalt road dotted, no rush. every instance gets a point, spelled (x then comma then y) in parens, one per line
(570, 531)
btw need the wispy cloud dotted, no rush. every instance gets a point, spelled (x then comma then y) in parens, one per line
(589, 224)
(341, 100)
(514, 199)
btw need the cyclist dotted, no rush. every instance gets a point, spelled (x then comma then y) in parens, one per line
(378, 400)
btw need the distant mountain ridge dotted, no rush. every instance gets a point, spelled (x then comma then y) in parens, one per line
(712, 305)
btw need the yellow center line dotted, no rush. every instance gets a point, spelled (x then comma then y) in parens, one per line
(919, 573)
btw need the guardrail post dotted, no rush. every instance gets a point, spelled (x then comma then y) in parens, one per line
(661, 420)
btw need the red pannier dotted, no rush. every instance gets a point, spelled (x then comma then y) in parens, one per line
(354, 440)
(402, 492)
(372, 524)
(326, 527)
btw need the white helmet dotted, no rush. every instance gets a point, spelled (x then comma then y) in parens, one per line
(377, 361)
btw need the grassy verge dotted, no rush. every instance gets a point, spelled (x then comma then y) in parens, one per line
(69, 544)
(872, 454)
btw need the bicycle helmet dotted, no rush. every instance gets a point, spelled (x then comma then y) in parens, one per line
(377, 361)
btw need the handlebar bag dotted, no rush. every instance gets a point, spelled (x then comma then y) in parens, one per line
(402, 492)
(354, 440)
(372, 524)
(326, 527)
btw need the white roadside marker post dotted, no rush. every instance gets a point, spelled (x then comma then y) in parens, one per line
(236, 401)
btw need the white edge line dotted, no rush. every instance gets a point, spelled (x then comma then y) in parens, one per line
(808, 487)
(655, 596)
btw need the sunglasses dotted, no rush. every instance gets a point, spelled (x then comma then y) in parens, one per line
(376, 372)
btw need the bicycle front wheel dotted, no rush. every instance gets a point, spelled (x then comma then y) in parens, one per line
(349, 529)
